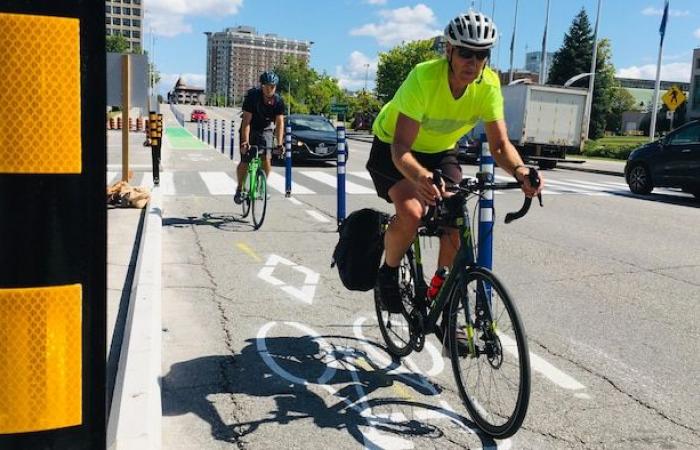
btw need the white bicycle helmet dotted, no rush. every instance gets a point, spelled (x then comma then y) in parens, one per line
(472, 30)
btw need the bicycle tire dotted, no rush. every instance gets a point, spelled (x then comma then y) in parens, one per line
(259, 199)
(495, 352)
(390, 324)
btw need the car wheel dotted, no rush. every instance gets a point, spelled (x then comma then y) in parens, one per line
(639, 180)
(546, 165)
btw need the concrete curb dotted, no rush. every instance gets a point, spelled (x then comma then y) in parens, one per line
(136, 413)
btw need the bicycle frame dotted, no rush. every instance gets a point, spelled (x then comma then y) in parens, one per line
(253, 166)
(462, 261)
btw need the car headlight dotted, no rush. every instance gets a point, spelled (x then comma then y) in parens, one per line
(298, 143)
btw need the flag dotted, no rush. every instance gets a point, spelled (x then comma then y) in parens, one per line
(664, 19)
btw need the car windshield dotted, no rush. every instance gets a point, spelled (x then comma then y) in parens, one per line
(311, 124)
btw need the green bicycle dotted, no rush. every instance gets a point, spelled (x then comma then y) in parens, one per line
(255, 191)
(481, 327)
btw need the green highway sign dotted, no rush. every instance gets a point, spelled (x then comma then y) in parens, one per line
(339, 108)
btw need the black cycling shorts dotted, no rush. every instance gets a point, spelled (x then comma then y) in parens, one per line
(385, 174)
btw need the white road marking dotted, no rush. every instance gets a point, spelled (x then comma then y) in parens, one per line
(331, 180)
(112, 178)
(294, 201)
(167, 183)
(318, 216)
(277, 182)
(550, 372)
(364, 175)
(218, 183)
(305, 293)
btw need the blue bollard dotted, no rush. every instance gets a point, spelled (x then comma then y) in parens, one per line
(288, 160)
(485, 243)
(223, 135)
(216, 123)
(341, 173)
(232, 127)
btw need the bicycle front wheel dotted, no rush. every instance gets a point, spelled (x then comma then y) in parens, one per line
(259, 199)
(489, 353)
(395, 327)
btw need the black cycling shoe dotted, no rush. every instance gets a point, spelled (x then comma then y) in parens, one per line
(238, 198)
(389, 294)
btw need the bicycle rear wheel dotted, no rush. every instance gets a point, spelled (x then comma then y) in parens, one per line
(395, 327)
(490, 358)
(259, 199)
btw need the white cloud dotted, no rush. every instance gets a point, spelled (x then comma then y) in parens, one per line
(651, 11)
(669, 72)
(168, 80)
(696, 33)
(376, 2)
(167, 17)
(352, 75)
(401, 25)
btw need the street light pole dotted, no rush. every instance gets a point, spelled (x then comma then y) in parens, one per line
(366, 74)
(512, 41)
(591, 82)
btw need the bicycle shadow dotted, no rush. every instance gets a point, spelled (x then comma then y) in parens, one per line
(288, 370)
(221, 221)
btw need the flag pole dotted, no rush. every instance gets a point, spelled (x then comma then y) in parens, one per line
(591, 82)
(512, 41)
(657, 84)
(543, 58)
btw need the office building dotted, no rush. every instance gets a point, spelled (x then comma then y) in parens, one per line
(125, 17)
(237, 56)
(534, 59)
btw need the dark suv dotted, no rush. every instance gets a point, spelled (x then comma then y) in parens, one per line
(672, 161)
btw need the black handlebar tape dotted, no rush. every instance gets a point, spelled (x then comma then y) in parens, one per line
(518, 214)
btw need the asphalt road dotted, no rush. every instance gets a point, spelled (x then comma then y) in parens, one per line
(264, 348)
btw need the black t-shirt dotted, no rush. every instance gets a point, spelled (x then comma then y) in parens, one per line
(263, 114)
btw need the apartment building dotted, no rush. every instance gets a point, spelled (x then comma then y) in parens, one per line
(694, 97)
(238, 55)
(125, 17)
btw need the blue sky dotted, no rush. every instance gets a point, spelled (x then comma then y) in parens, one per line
(349, 34)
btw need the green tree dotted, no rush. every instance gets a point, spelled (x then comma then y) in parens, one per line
(117, 44)
(363, 102)
(296, 76)
(622, 101)
(604, 91)
(575, 55)
(322, 93)
(394, 65)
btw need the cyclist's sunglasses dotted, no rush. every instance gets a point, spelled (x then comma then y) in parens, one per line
(467, 53)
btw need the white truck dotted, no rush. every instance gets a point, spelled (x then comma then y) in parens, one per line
(543, 121)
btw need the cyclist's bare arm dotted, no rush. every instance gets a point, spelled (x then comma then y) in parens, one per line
(245, 131)
(507, 157)
(406, 163)
(279, 129)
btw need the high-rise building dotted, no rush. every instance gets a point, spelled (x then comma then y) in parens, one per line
(237, 56)
(125, 17)
(694, 97)
(533, 60)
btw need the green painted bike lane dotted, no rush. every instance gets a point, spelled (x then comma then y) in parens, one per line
(181, 139)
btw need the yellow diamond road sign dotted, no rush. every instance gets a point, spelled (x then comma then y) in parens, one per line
(673, 98)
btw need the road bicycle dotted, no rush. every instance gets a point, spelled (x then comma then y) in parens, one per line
(255, 190)
(481, 327)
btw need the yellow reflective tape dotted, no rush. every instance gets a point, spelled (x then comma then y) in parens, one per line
(40, 358)
(40, 121)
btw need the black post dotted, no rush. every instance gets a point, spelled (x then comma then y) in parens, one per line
(53, 238)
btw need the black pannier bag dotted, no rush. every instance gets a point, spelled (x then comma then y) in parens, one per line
(359, 249)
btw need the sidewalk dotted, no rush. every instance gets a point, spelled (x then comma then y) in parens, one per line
(133, 309)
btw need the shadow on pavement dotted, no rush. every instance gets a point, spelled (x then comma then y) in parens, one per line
(222, 221)
(287, 370)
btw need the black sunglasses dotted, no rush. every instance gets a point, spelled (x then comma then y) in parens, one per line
(467, 53)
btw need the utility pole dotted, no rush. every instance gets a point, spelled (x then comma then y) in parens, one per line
(366, 74)
(543, 57)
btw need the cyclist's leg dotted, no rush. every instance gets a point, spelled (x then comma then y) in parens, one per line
(449, 241)
(267, 162)
(402, 229)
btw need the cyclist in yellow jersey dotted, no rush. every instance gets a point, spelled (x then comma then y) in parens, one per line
(416, 132)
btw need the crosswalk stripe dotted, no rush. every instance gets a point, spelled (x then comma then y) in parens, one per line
(146, 180)
(331, 180)
(576, 185)
(167, 183)
(364, 175)
(277, 182)
(111, 178)
(218, 183)
(606, 187)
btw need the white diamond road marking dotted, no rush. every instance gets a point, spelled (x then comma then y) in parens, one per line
(305, 293)
(331, 180)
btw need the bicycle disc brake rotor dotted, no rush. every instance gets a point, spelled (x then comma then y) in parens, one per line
(494, 350)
